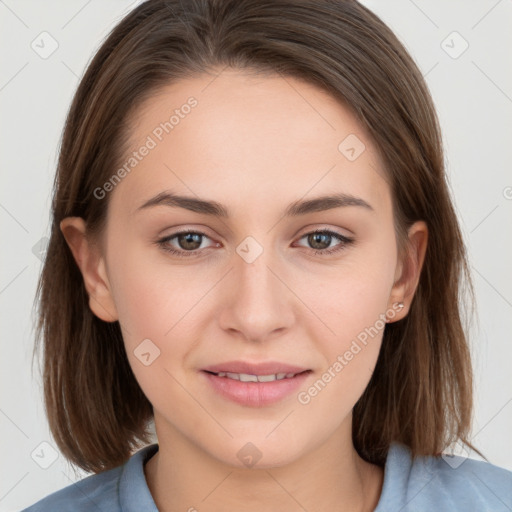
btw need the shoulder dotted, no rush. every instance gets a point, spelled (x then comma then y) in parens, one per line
(443, 483)
(103, 491)
(89, 493)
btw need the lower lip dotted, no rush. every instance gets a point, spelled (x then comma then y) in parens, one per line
(255, 394)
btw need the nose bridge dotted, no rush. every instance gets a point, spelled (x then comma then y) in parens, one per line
(258, 303)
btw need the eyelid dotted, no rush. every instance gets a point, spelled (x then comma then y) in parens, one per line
(326, 228)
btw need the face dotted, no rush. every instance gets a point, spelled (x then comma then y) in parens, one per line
(195, 289)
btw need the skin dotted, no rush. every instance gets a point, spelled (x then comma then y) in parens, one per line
(254, 144)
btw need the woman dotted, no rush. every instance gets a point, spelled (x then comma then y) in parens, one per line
(254, 246)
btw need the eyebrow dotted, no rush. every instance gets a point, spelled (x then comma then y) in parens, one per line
(213, 208)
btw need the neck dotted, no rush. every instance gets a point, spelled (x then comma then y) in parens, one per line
(182, 476)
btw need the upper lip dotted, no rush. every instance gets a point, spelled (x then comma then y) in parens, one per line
(265, 368)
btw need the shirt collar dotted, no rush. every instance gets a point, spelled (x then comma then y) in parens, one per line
(134, 494)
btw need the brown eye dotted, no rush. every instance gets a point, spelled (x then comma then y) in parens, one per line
(189, 241)
(183, 243)
(320, 241)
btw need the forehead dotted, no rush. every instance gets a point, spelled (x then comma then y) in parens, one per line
(244, 139)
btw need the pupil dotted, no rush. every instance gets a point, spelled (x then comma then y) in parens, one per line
(316, 237)
(192, 241)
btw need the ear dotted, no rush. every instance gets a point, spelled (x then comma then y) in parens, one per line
(408, 270)
(91, 263)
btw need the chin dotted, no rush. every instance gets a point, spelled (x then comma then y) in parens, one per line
(259, 453)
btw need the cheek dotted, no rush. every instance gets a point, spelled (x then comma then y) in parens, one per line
(158, 302)
(351, 303)
(151, 294)
(350, 355)
(158, 310)
(353, 295)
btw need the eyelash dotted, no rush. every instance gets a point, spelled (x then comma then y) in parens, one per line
(345, 241)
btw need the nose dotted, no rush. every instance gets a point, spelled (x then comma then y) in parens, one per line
(258, 303)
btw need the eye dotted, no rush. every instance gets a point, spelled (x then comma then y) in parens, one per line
(189, 243)
(321, 239)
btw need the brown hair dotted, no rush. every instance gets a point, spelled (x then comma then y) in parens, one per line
(420, 393)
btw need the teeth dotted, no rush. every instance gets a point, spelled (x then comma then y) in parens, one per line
(266, 378)
(244, 377)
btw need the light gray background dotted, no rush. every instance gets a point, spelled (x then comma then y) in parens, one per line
(473, 96)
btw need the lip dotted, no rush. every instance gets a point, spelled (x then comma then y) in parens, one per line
(255, 394)
(264, 368)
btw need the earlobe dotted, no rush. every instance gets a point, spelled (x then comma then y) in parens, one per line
(91, 263)
(409, 269)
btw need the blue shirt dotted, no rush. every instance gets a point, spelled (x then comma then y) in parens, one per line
(429, 484)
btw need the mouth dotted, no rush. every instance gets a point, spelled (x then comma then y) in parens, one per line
(256, 389)
(260, 369)
(247, 377)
